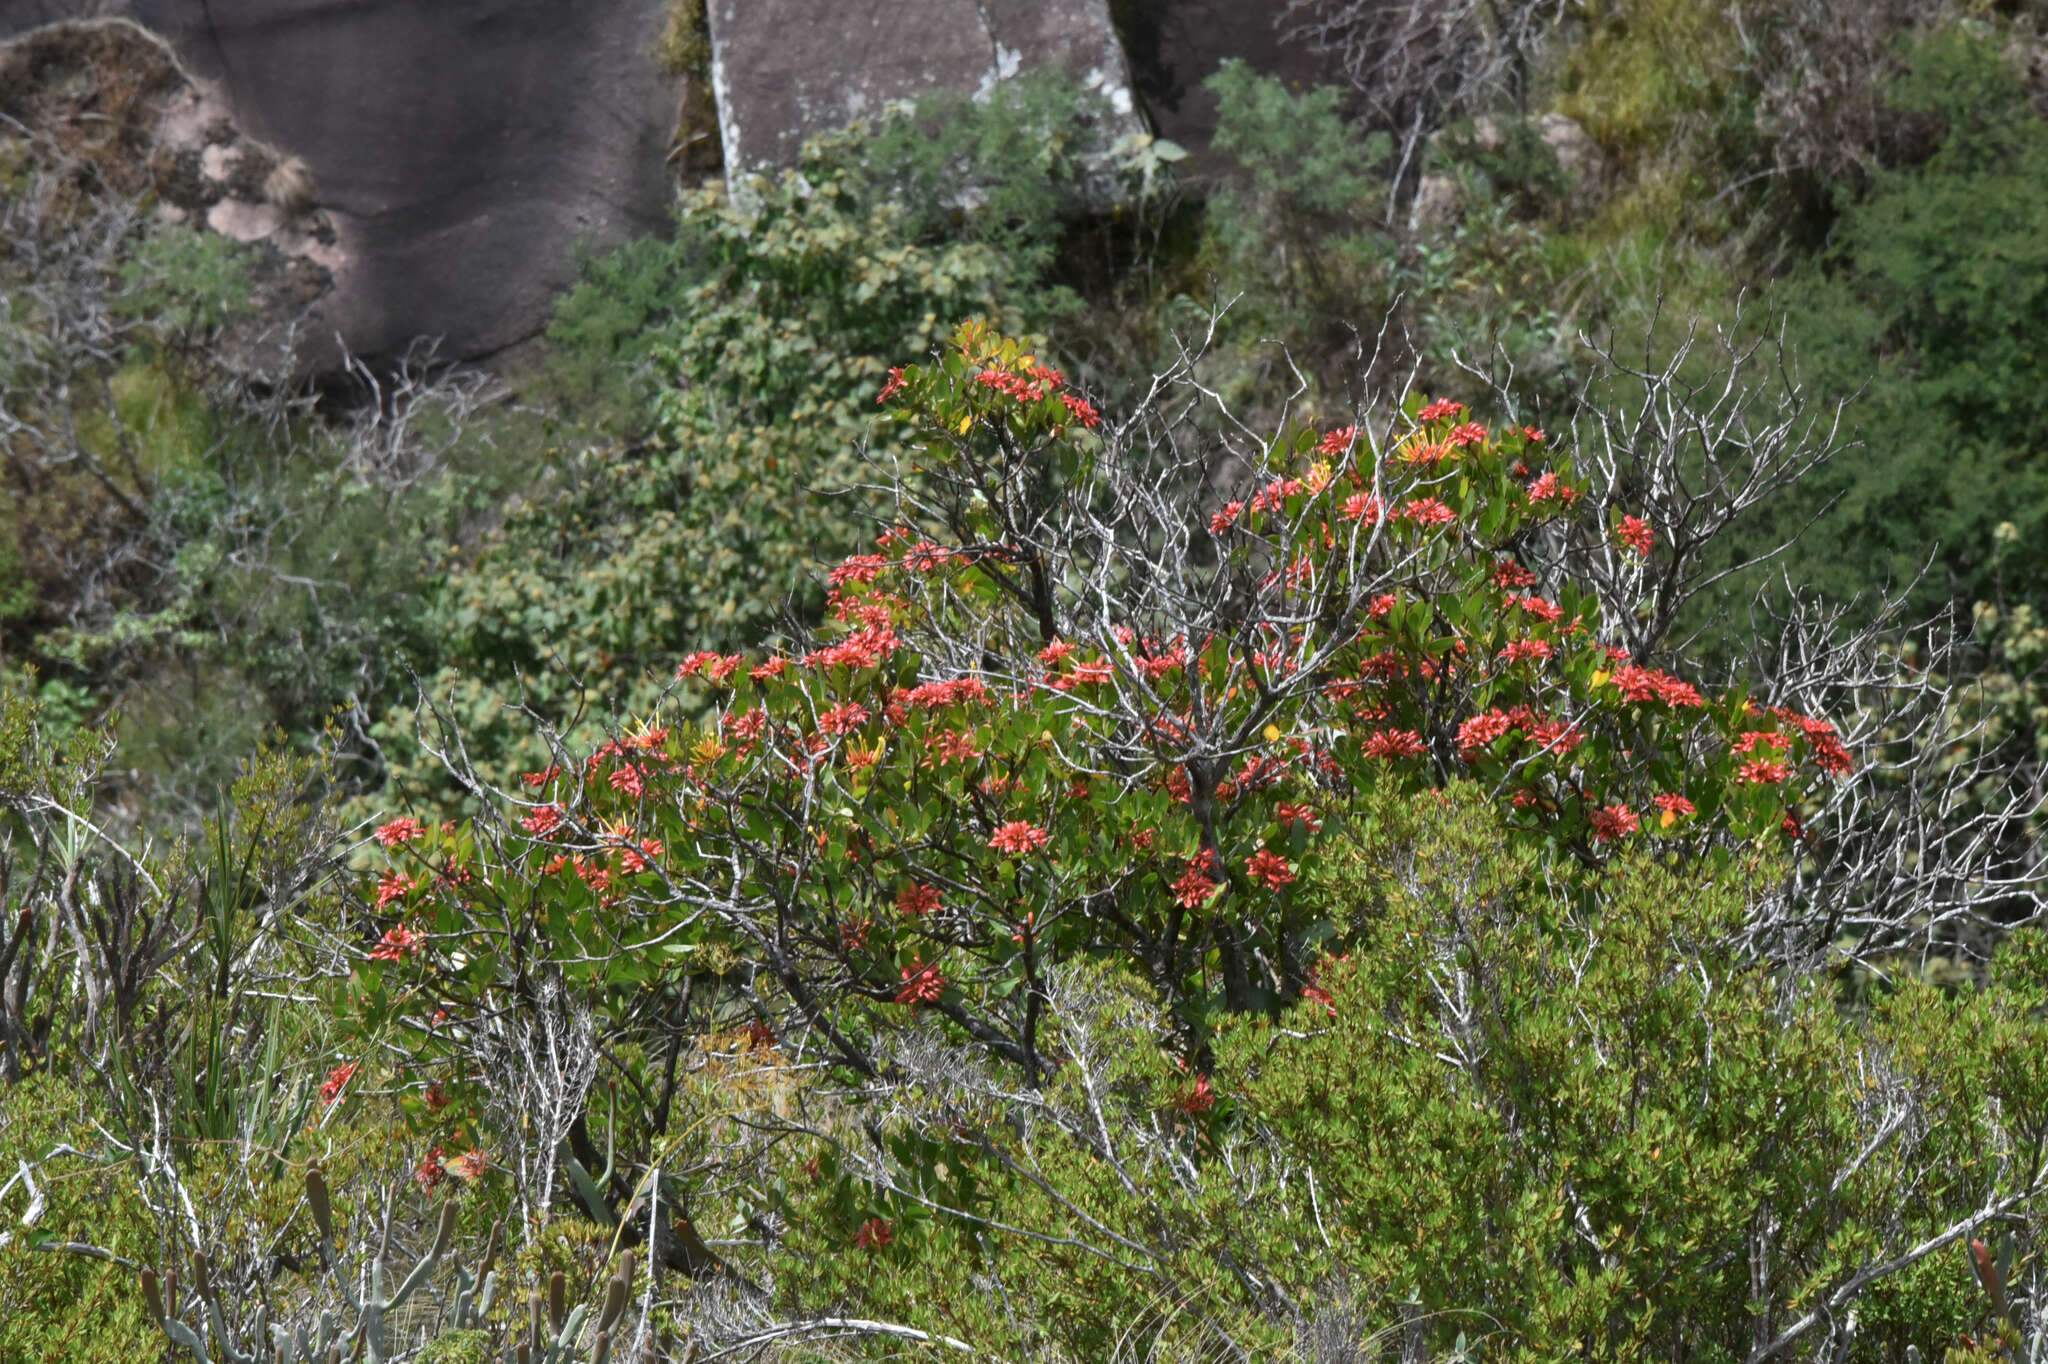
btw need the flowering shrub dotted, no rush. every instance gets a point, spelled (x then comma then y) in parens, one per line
(1064, 711)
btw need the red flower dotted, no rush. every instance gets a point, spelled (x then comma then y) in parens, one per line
(858, 568)
(430, 1174)
(893, 387)
(1200, 1099)
(1611, 822)
(1674, 806)
(626, 778)
(544, 820)
(536, 780)
(921, 985)
(1393, 743)
(1269, 867)
(1427, 511)
(1299, 814)
(1525, 650)
(771, 668)
(1194, 887)
(1481, 730)
(467, 1166)
(636, 859)
(1364, 507)
(1084, 411)
(1221, 521)
(394, 886)
(1545, 488)
(337, 1079)
(1541, 609)
(843, 718)
(1471, 433)
(1019, 837)
(404, 829)
(436, 1098)
(1338, 441)
(1635, 532)
(1762, 772)
(1533, 434)
(397, 944)
(1510, 575)
(918, 899)
(1651, 684)
(873, 1235)
(1439, 410)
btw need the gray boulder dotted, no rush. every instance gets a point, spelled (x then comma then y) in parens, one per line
(784, 70)
(459, 149)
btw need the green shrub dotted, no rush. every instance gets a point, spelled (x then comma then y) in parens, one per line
(1933, 303)
(765, 324)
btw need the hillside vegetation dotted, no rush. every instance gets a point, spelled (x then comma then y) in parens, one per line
(1423, 743)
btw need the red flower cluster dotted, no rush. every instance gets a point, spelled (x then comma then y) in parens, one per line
(1393, 743)
(1635, 532)
(394, 886)
(1034, 390)
(843, 718)
(1083, 411)
(1611, 822)
(404, 829)
(922, 984)
(1762, 772)
(873, 1234)
(1222, 520)
(397, 944)
(1195, 886)
(543, 820)
(1438, 411)
(1336, 442)
(716, 667)
(1525, 651)
(1269, 868)
(1510, 575)
(1200, 1099)
(918, 899)
(862, 649)
(937, 695)
(1481, 730)
(1653, 684)
(1828, 753)
(1299, 814)
(1364, 507)
(1427, 511)
(337, 1079)
(1019, 837)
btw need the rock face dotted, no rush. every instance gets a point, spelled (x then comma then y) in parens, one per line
(785, 69)
(460, 149)
(1175, 45)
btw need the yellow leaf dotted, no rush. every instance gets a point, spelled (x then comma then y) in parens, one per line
(1272, 734)
(1599, 677)
(1670, 818)
(966, 422)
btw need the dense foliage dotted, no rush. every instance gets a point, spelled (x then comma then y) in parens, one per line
(1238, 806)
